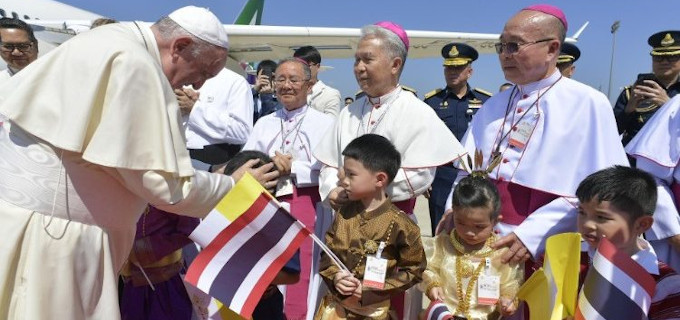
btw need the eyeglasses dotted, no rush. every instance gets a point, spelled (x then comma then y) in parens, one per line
(293, 81)
(671, 59)
(514, 47)
(9, 47)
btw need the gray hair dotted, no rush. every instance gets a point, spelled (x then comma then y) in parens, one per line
(305, 66)
(393, 45)
(169, 29)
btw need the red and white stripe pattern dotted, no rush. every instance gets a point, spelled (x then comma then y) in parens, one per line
(437, 310)
(616, 287)
(241, 261)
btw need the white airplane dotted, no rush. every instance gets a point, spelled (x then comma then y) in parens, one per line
(55, 22)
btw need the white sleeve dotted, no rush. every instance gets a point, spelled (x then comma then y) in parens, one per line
(306, 173)
(666, 218)
(194, 196)
(328, 180)
(410, 183)
(232, 121)
(558, 216)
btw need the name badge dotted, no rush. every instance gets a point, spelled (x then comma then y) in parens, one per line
(488, 287)
(284, 186)
(520, 137)
(374, 274)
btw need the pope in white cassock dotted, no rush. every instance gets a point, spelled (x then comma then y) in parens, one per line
(82, 157)
(549, 132)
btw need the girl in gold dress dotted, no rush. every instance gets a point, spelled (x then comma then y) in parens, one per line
(462, 270)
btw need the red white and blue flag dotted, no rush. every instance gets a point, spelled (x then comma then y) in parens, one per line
(616, 287)
(437, 310)
(240, 261)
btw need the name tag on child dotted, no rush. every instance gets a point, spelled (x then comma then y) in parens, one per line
(284, 186)
(520, 137)
(376, 269)
(488, 287)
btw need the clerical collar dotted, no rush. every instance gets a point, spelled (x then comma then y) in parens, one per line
(389, 97)
(293, 113)
(529, 88)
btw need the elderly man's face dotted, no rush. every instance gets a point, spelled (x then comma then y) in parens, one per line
(291, 85)
(182, 69)
(17, 50)
(535, 56)
(375, 72)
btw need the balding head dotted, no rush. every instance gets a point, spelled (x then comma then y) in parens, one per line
(539, 36)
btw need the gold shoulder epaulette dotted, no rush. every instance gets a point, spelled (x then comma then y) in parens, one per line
(432, 93)
(484, 92)
(626, 89)
(358, 94)
(409, 89)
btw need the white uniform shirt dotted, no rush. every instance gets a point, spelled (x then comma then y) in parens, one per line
(223, 112)
(325, 99)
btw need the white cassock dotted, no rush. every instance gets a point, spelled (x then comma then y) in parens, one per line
(421, 138)
(81, 158)
(657, 150)
(565, 130)
(325, 99)
(297, 133)
(223, 112)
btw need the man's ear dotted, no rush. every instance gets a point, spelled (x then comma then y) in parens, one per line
(180, 45)
(396, 65)
(643, 224)
(381, 179)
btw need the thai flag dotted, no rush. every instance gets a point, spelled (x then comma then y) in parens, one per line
(240, 261)
(616, 287)
(438, 311)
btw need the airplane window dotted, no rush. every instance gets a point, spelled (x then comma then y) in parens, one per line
(15, 15)
(27, 17)
(2, 13)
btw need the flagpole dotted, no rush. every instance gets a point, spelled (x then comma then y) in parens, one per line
(330, 253)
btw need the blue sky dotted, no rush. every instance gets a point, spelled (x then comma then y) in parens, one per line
(639, 19)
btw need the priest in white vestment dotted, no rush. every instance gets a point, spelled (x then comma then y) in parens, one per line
(656, 149)
(288, 136)
(82, 158)
(423, 140)
(547, 133)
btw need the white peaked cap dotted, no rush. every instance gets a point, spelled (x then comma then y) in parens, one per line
(201, 23)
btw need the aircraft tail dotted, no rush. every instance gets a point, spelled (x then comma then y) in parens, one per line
(251, 14)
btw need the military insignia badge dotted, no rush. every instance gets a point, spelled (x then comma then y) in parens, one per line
(453, 52)
(667, 40)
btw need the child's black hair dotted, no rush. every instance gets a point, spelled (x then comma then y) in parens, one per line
(628, 189)
(376, 153)
(476, 192)
(244, 156)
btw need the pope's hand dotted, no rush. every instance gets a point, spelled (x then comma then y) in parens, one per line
(262, 175)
